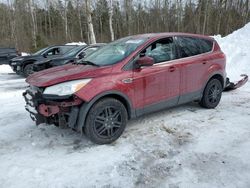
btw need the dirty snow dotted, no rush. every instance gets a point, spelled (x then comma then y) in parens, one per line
(184, 147)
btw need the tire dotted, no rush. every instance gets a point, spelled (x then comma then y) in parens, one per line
(212, 94)
(106, 121)
(19, 73)
(28, 70)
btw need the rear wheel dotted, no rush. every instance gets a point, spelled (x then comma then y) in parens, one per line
(28, 70)
(18, 72)
(106, 121)
(212, 94)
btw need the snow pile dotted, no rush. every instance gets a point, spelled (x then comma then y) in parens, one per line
(236, 46)
(5, 69)
(24, 54)
(76, 43)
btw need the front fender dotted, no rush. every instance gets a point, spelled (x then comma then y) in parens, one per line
(32, 61)
(84, 109)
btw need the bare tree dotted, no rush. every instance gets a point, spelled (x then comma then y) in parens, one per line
(33, 23)
(90, 23)
(12, 23)
(78, 5)
(111, 20)
(206, 14)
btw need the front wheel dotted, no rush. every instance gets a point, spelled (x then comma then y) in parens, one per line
(212, 94)
(28, 70)
(106, 121)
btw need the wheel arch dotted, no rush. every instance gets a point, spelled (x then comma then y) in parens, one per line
(84, 109)
(218, 77)
(25, 63)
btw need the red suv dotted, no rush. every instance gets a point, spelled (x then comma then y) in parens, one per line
(125, 79)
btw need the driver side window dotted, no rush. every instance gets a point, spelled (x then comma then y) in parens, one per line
(161, 51)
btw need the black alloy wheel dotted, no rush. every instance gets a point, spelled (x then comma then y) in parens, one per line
(28, 70)
(212, 94)
(106, 121)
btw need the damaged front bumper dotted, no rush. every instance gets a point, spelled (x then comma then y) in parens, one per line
(61, 111)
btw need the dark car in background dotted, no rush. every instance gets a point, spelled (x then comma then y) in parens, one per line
(6, 54)
(73, 55)
(24, 65)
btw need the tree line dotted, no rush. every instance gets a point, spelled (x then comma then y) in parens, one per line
(32, 24)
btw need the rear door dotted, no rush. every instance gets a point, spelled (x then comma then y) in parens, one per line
(157, 86)
(194, 60)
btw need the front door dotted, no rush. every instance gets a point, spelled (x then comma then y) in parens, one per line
(157, 86)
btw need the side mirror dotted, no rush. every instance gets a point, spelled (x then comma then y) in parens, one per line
(145, 61)
(45, 55)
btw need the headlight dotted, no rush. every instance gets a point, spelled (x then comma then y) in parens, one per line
(66, 88)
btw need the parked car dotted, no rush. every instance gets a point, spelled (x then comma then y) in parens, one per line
(24, 65)
(6, 54)
(71, 56)
(125, 79)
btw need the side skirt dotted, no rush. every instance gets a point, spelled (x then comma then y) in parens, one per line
(197, 95)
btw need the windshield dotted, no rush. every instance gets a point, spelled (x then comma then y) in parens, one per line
(115, 51)
(39, 52)
(73, 51)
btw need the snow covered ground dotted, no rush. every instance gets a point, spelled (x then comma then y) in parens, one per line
(184, 147)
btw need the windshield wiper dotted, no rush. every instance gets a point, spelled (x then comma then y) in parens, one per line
(86, 63)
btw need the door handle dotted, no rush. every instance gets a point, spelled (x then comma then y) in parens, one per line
(172, 69)
(204, 62)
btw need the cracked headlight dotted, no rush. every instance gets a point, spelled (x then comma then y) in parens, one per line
(66, 88)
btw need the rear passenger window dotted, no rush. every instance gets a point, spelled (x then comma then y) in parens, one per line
(193, 46)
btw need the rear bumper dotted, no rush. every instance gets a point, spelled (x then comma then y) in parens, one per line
(60, 111)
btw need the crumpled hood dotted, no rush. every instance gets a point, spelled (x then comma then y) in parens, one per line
(64, 73)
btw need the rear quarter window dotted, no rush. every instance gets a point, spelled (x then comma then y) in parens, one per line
(190, 46)
(206, 45)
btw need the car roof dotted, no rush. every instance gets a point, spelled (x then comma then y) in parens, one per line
(60, 45)
(170, 34)
(97, 45)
